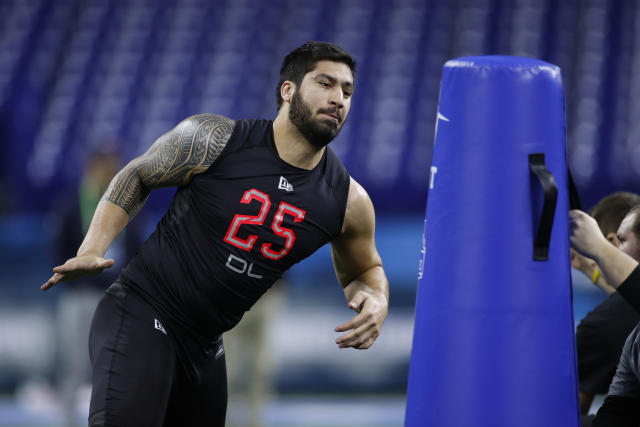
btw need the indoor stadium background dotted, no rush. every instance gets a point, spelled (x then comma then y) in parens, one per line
(78, 75)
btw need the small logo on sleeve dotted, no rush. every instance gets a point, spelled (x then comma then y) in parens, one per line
(220, 351)
(159, 326)
(284, 184)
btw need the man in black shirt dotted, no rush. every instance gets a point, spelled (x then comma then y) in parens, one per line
(601, 334)
(621, 407)
(254, 198)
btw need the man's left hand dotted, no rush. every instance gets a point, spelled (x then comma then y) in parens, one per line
(366, 326)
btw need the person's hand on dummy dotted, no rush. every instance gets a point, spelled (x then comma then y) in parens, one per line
(585, 235)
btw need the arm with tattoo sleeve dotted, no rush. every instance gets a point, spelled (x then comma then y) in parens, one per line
(188, 149)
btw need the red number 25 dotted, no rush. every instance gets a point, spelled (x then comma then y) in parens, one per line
(276, 226)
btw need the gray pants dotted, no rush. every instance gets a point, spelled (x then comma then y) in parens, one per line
(75, 311)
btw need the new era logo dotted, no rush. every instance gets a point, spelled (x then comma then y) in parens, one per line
(284, 184)
(220, 352)
(159, 326)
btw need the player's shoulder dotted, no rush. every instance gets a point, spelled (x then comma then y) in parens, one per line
(207, 120)
(359, 215)
(358, 196)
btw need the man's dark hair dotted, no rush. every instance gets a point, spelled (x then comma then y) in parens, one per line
(610, 211)
(304, 58)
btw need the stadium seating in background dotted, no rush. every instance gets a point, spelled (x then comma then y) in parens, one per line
(74, 72)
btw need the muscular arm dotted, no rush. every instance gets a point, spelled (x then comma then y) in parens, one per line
(186, 150)
(359, 270)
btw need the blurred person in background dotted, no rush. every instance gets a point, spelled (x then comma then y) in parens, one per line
(254, 198)
(77, 302)
(601, 335)
(621, 407)
(251, 365)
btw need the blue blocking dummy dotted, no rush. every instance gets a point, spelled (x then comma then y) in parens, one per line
(494, 338)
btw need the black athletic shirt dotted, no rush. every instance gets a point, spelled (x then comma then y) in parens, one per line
(235, 229)
(621, 407)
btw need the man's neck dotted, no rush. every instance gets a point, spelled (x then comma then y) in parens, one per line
(292, 147)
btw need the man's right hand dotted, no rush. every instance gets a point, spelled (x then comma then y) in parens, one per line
(585, 235)
(79, 266)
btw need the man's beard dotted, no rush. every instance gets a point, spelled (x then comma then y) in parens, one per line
(317, 133)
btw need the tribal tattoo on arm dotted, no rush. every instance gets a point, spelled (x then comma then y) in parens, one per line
(186, 150)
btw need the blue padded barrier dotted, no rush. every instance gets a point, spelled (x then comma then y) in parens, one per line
(493, 339)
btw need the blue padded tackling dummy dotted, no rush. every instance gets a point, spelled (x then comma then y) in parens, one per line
(494, 338)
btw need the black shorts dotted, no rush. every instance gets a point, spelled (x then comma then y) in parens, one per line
(138, 379)
(600, 337)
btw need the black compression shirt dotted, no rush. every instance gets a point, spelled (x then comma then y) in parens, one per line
(235, 229)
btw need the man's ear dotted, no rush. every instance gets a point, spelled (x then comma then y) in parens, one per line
(287, 90)
(613, 239)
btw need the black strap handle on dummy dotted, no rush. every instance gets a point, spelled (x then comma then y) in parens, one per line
(574, 199)
(548, 183)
